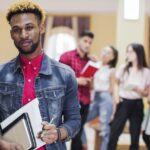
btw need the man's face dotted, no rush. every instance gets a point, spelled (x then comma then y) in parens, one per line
(25, 32)
(131, 55)
(85, 44)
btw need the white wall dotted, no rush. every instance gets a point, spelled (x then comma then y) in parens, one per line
(71, 5)
(129, 31)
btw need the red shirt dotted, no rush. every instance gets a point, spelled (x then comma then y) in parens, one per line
(30, 69)
(77, 63)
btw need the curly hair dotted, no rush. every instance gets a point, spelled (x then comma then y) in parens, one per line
(26, 6)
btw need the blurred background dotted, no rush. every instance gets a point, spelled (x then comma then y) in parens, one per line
(115, 22)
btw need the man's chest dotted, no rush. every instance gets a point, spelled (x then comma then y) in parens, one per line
(77, 64)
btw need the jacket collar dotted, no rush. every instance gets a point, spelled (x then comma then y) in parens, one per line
(46, 66)
(45, 69)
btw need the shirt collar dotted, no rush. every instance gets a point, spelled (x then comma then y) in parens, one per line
(34, 63)
(77, 54)
(45, 65)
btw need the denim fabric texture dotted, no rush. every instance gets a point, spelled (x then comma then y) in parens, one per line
(102, 106)
(55, 88)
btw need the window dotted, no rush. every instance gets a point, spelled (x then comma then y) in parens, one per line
(131, 9)
(60, 42)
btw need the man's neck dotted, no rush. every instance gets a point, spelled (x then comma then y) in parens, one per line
(81, 54)
(33, 55)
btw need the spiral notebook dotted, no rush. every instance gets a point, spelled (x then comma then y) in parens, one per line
(20, 131)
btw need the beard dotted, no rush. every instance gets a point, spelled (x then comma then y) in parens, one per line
(31, 50)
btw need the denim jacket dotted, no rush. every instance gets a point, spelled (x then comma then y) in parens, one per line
(55, 88)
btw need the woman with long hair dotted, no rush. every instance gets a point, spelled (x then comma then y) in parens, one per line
(132, 81)
(102, 105)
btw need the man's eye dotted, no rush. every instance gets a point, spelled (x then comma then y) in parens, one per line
(16, 30)
(28, 28)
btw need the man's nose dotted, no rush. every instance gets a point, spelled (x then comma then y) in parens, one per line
(88, 44)
(23, 34)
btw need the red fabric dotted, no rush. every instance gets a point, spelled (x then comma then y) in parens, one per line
(30, 69)
(77, 63)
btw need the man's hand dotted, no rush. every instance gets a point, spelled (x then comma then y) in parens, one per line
(5, 145)
(93, 57)
(83, 81)
(49, 134)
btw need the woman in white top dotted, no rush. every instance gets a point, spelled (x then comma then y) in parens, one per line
(133, 80)
(102, 86)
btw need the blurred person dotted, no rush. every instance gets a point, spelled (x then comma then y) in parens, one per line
(132, 81)
(103, 82)
(146, 125)
(7, 145)
(32, 74)
(77, 59)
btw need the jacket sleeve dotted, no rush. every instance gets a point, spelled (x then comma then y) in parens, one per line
(71, 109)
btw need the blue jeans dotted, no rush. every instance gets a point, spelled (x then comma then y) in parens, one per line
(102, 106)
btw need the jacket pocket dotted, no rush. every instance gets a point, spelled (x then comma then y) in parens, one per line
(7, 97)
(54, 98)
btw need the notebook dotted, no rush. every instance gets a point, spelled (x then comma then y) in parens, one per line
(90, 69)
(33, 111)
(20, 131)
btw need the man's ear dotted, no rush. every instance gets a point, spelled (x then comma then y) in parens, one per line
(42, 28)
(11, 34)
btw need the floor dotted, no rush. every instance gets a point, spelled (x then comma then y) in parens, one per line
(123, 143)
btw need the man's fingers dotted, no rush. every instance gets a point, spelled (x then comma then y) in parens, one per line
(47, 141)
(44, 123)
(49, 126)
(14, 146)
(49, 136)
(19, 148)
(50, 133)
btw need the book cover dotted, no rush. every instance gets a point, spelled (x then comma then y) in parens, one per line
(20, 131)
(33, 111)
(90, 69)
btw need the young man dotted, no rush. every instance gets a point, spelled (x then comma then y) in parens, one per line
(33, 74)
(77, 59)
(5, 145)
